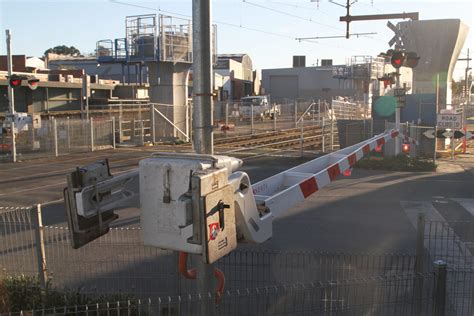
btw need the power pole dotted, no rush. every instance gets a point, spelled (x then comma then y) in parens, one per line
(466, 79)
(202, 120)
(11, 93)
(202, 78)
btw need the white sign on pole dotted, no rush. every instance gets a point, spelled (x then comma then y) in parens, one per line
(453, 121)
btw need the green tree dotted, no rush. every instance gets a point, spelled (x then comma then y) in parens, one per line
(63, 50)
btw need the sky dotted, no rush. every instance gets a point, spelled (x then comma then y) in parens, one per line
(264, 29)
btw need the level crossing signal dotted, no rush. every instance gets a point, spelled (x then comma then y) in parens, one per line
(15, 81)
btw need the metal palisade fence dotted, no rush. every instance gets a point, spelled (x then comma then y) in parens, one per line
(258, 282)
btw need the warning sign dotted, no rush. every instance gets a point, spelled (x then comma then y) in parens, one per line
(453, 121)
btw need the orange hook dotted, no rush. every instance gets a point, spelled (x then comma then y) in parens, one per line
(191, 274)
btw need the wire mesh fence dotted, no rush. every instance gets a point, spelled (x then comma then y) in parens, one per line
(452, 242)
(56, 137)
(369, 296)
(118, 262)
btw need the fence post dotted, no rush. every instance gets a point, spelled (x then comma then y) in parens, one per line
(187, 120)
(142, 132)
(120, 128)
(419, 263)
(13, 142)
(296, 113)
(152, 122)
(39, 242)
(420, 243)
(251, 118)
(440, 289)
(226, 117)
(332, 134)
(319, 111)
(92, 133)
(132, 136)
(322, 134)
(68, 133)
(274, 118)
(113, 132)
(120, 123)
(302, 137)
(55, 137)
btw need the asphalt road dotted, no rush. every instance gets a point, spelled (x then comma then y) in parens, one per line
(359, 213)
(369, 212)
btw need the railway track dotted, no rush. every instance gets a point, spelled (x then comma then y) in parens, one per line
(289, 138)
(282, 139)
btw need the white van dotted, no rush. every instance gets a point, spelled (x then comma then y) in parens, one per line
(260, 107)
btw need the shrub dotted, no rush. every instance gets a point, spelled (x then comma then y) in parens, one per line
(25, 293)
(398, 163)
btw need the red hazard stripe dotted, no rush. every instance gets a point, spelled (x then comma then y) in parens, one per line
(352, 159)
(394, 134)
(380, 141)
(333, 172)
(308, 187)
(366, 149)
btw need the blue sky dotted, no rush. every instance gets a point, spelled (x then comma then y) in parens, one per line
(39, 25)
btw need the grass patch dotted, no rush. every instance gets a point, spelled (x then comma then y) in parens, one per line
(397, 163)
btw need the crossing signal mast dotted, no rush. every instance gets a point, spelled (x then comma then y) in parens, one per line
(348, 18)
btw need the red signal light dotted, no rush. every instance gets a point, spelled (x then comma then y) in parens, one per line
(347, 172)
(397, 59)
(406, 148)
(33, 83)
(15, 83)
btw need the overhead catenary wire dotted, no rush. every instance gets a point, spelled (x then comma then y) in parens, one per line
(290, 14)
(338, 46)
(214, 21)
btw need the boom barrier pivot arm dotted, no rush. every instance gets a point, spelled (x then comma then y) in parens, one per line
(199, 203)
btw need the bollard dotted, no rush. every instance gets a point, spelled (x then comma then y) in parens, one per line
(440, 289)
